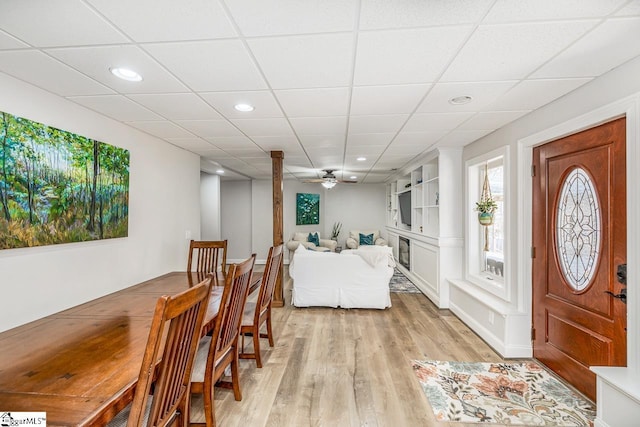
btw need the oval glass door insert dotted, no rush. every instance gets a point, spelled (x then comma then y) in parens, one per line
(578, 229)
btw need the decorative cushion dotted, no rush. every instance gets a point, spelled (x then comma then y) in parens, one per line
(355, 234)
(366, 239)
(314, 238)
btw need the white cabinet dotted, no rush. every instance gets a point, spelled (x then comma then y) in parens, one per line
(436, 230)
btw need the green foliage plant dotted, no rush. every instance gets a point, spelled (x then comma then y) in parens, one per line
(335, 231)
(487, 205)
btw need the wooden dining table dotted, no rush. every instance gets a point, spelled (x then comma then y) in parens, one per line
(81, 365)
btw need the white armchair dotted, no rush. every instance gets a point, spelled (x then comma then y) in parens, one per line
(326, 245)
(353, 241)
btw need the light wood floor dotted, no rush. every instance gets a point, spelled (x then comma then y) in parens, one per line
(337, 367)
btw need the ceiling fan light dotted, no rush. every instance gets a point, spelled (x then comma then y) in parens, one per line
(328, 184)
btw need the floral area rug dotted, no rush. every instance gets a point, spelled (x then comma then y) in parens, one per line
(401, 284)
(503, 393)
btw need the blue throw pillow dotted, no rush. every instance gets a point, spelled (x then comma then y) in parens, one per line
(314, 238)
(366, 239)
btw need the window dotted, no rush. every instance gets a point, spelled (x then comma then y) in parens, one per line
(486, 247)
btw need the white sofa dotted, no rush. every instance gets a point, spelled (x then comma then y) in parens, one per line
(302, 238)
(353, 241)
(350, 279)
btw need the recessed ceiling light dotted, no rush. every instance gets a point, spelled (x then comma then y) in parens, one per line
(361, 159)
(352, 177)
(245, 108)
(126, 74)
(220, 171)
(460, 100)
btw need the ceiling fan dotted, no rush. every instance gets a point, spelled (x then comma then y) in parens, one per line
(329, 180)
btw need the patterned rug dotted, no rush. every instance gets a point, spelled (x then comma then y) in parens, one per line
(504, 393)
(399, 283)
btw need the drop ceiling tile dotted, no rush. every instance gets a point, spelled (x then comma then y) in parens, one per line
(368, 100)
(319, 125)
(45, 23)
(491, 120)
(191, 144)
(297, 163)
(532, 94)
(419, 138)
(231, 142)
(264, 103)
(299, 62)
(210, 128)
(245, 152)
(209, 154)
(508, 52)
(460, 138)
(217, 65)
(612, 43)
(377, 124)
(515, 11)
(277, 143)
(318, 141)
(177, 106)
(41, 70)
(314, 102)
(97, 60)
(368, 151)
(406, 56)
(161, 129)
(631, 9)
(7, 41)
(359, 139)
(378, 14)
(167, 20)
(279, 17)
(482, 94)
(117, 107)
(410, 150)
(424, 122)
(264, 127)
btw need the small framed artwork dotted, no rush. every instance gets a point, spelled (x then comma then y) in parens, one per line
(307, 208)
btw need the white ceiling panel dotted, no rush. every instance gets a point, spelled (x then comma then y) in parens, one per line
(41, 70)
(507, 52)
(482, 94)
(192, 144)
(232, 142)
(319, 125)
(305, 61)
(532, 94)
(96, 62)
(491, 120)
(280, 17)
(537, 10)
(426, 122)
(218, 65)
(631, 9)
(117, 107)
(210, 128)
(7, 41)
(167, 20)
(369, 151)
(162, 129)
(369, 100)
(405, 149)
(263, 101)
(365, 139)
(317, 141)
(264, 127)
(377, 124)
(46, 23)
(177, 106)
(403, 56)
(314, 102)
(597, 52)
(378, 14)
(419, 138)
(460, 138)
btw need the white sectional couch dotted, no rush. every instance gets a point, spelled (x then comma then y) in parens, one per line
(351, 279)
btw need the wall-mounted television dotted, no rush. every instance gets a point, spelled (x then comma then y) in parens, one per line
(404, 201)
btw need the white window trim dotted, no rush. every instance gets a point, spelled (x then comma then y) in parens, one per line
(501, 288)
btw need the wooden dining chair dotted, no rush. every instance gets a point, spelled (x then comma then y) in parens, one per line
(258, 313)
(182, 315)
(220, 350)
(208, 257)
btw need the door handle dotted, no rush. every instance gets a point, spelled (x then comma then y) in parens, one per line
(621, 296)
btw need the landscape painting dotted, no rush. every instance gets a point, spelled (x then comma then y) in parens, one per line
(307, 208)
(59, 187)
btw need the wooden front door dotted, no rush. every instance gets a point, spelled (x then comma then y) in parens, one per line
(579, 239)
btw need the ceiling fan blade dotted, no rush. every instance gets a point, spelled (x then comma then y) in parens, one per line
(310, 181)
(347, 182)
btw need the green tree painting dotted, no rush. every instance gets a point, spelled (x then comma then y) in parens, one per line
(307, 208)
(59, 187)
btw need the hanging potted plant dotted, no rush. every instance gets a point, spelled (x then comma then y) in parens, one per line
(486, 208)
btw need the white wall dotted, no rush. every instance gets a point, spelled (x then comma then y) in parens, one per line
(163, 206)
(359, 206)
(235, 218)
(209, 206)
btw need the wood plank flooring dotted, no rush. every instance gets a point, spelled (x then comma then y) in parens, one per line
(336, 367)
